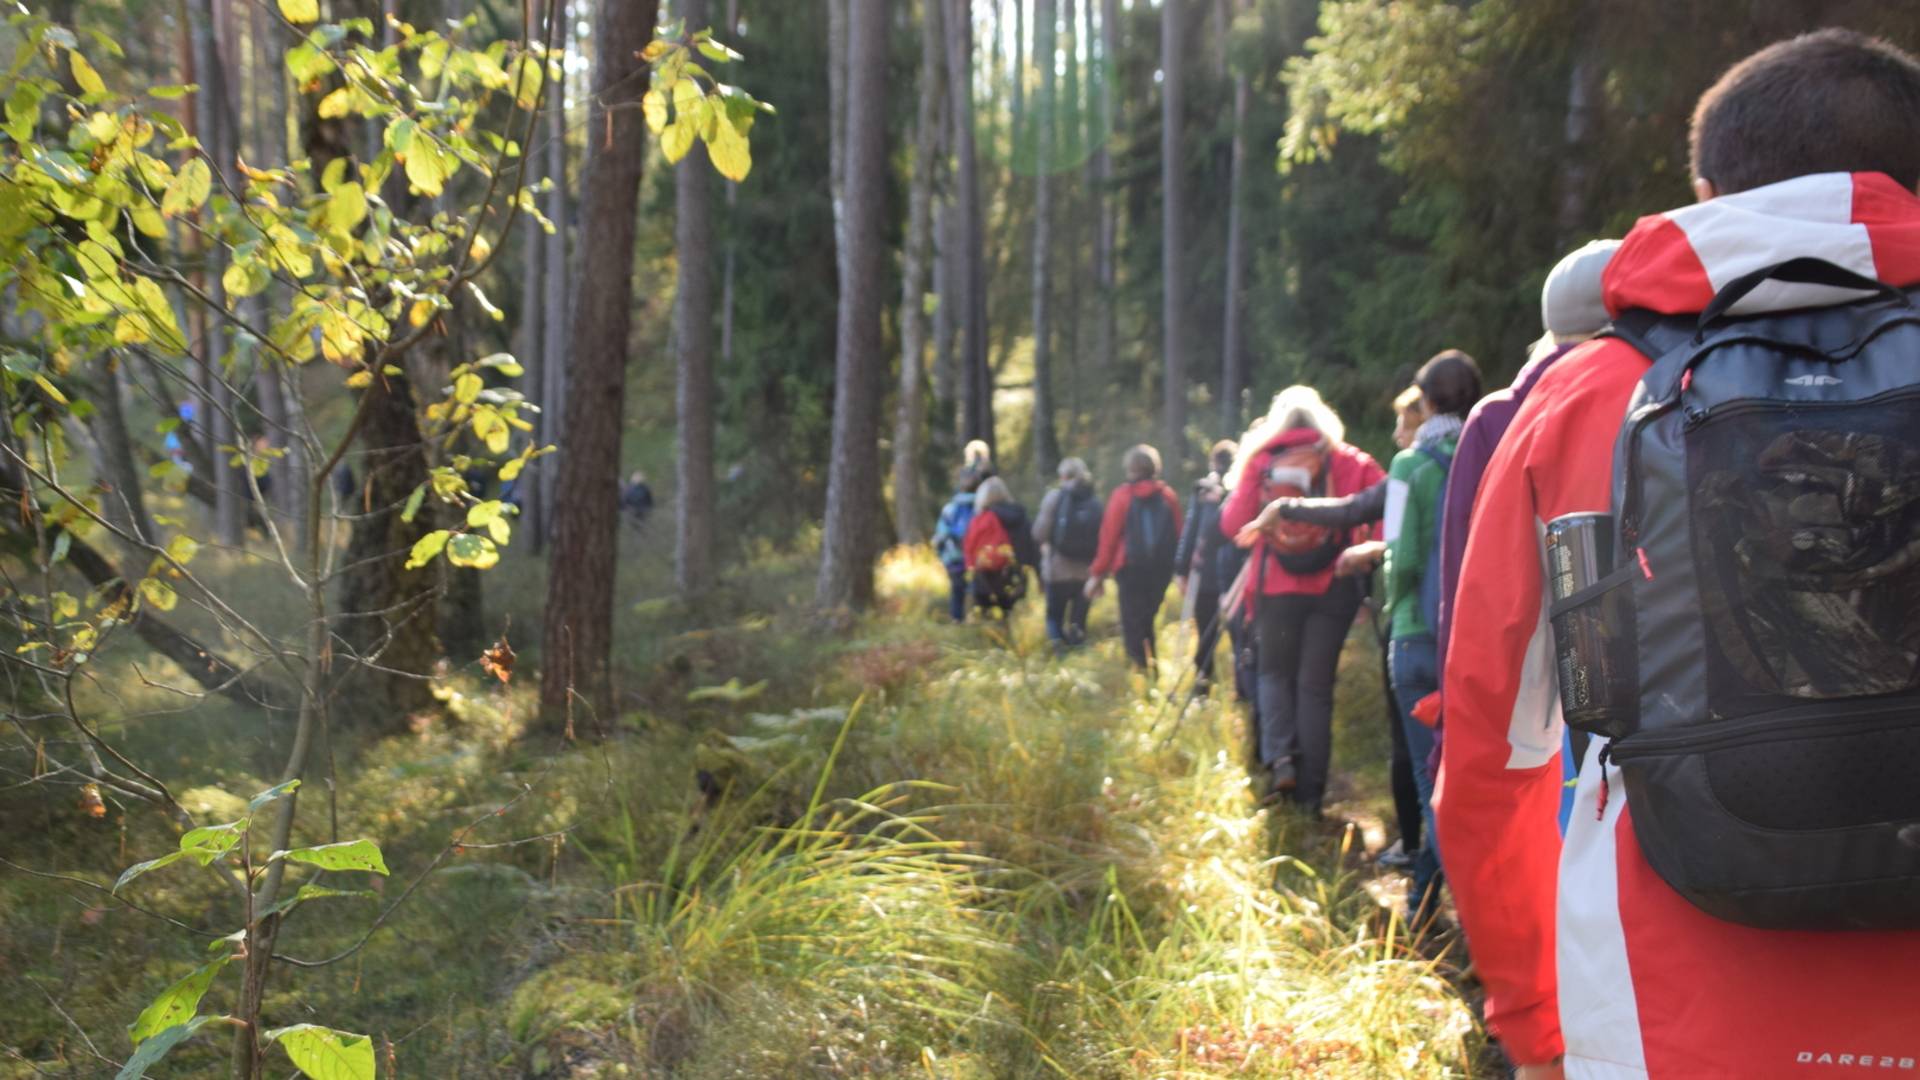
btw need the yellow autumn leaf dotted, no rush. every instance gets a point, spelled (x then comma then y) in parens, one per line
(300, 11)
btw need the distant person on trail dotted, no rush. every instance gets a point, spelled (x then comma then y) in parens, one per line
(1068, 531)
(1137, 540)
(950, 533)
(999, 548)
(1197, 561)
(1301, 610)
(636, 499)
(1737, 894)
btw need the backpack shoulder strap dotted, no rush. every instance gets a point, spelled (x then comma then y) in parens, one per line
(1437, 456)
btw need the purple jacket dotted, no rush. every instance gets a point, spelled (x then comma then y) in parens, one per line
(1486, 425)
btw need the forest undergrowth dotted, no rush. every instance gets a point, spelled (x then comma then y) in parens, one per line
(908, 850)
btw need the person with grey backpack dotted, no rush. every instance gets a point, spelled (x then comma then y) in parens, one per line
(1067, 529)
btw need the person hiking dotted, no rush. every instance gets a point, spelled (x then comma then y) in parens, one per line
(950, 532)
(1300, 610)
(1197, 561)
(1068, 531)
(998, 548)
(1595, 961)
(1449, 387)
(1365, 508)
(636, 499)
(1137, 539)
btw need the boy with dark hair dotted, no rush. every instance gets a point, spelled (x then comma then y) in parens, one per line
(1584, 948)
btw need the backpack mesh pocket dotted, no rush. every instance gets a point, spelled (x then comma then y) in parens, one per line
(1806, 537)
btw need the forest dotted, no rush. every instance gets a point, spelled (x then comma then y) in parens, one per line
(466, 602)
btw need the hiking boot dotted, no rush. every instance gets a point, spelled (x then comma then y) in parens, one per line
(1395, 857)
(1282, 779)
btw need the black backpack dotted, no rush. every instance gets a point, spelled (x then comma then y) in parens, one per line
(1754, 653)
(1076, 524)
(1150, 537)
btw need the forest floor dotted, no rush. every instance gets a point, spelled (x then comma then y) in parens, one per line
(906, 850)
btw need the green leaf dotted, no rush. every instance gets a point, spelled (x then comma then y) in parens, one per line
(473, 552)
(152, 1050)
(307, 63)
(654, 107)
(182, 549)
(245, 277)
(300, 11)
(177, 1003)
(277, 791)
(346, 855)
(137, 869)
(313, 892)
(717, 52)
(208, 842)
(170, 93)
(413, 503)
(89, 80)
(677, 139)
(526, 83)
(425, 169)
(346, 207)
(426, 548)
(323, 1053)
(728, 151)
(189, 189)
(731, 690)
(466, 388)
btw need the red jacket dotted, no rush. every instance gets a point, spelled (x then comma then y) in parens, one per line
(1113, 526)
(1580, 945)
(1349, 470)
(987, 545)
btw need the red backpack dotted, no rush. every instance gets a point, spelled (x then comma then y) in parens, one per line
(1300, 472)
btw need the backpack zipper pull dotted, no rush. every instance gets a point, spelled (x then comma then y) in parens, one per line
(1645, 568)
(1606, 752)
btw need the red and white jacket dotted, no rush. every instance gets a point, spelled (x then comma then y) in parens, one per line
(1581, 946)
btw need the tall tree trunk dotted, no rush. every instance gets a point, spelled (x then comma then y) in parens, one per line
(388, 614)
(837, 125)
(853, 474)
(531, 346)
(1173, 235)
(1106, 328)
(556, 280)
(1232, 350)
(578, 639)
(945, 423)
(1046, 444)
(969, 230)
(124, 505)
(1021, 141)
(728, 260)
(693, 346)
(910, 412)
(216, 412)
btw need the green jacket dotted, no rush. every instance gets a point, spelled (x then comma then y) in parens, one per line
(1419, 486)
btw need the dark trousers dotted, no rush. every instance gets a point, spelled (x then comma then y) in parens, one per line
(1206, 623)
(1140, 598)
(957, 596)
(1067, 605)
(1300, 640)
(1406, 796)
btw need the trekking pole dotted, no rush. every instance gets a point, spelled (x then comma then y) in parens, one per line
(1229, 601)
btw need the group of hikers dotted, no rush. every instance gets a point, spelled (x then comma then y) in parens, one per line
(1651, 613)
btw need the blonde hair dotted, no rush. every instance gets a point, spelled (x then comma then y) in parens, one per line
(1407, 399)
(992, 491)
(977, 454)
(1293, 408)
(1142, 462)
(1075, 469)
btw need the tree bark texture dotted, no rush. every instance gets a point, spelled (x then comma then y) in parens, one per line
(847, 546)
(124, 504)
(576, 656)
(910, 412)
(837, 16)
(215, 408)
(969, 231)
(1173, 235)
(557, 282)
(388, 614)
(1046, 444)
(693, 347)
(1232, 349)
(533, 299)
(1105, 227)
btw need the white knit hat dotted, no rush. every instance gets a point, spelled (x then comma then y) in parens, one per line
(1571, 304)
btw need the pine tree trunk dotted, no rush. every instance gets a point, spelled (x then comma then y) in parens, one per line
(1046, 444)
(969, 230)
(1173, 236)
(215, 407)
(1232, 352)
(531, 346)
(578, 644)
(837, 125)
(557, 282)
(846, 566)
(693, 344)
(1106, 328)
(910, 412)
